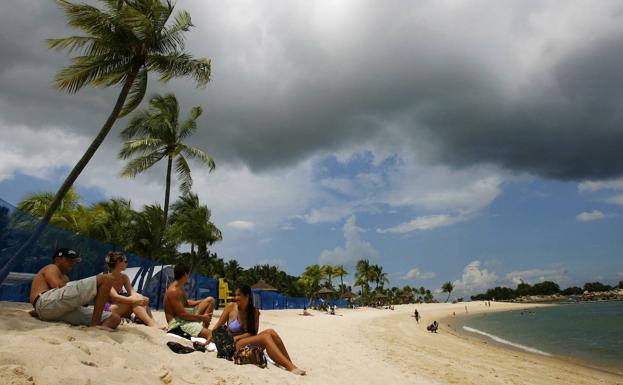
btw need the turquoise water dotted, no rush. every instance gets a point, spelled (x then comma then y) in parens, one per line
(591, 332)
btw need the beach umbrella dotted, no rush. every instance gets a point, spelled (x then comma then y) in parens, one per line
(262, 285)
(349, 294)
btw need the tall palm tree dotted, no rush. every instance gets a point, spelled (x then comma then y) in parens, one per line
(123, 41)
(447, 288)
(190, 223)
(339, 271)
(327, 271)
(363, 275)
(155, 134)
(378, 276)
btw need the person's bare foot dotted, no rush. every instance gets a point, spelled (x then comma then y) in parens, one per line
(298, 371)
(105, 328)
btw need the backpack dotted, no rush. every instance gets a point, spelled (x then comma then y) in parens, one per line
(250, 355)
(225, 345)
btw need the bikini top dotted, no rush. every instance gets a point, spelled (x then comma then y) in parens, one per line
(235, 326)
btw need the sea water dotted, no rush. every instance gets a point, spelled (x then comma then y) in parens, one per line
(589, 331)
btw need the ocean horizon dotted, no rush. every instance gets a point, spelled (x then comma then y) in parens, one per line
(591, 332)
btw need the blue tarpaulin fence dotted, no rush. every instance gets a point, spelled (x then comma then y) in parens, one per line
(15, 228)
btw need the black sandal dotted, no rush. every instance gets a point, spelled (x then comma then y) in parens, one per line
(179, 348)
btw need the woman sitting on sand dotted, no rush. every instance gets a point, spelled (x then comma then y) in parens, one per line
(243, 321)
(134, 302)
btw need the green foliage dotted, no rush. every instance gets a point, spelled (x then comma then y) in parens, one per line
(572, 291)
(126, 40)
(447, 287)
(155, 134)
(596, 286)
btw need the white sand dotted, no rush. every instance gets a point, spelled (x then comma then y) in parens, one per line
(363, 346)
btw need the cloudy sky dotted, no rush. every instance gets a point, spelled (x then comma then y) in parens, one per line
(477, 142)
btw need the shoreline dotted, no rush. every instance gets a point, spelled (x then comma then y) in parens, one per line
(456, 323)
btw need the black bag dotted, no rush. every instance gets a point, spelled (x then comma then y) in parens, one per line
(225, 345)
(250, 355)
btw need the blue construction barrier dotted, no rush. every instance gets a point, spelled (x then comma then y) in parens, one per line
(272, 300)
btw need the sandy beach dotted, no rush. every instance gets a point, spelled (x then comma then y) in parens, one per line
(364, 346)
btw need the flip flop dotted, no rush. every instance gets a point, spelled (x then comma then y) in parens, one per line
(179, 348)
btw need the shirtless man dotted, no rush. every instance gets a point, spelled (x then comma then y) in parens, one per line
(191, 316)
(56, 299)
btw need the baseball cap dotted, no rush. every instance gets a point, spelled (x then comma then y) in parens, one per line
(67, 253)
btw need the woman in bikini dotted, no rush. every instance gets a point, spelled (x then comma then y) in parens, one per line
(134, 302)
(243, 320)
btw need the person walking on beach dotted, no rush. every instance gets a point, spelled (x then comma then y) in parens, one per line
(55, 298)
(243, 321)
(417, 316)
(191, 316)
(134, 302)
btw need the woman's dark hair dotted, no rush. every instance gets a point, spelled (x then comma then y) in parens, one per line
(246, 291)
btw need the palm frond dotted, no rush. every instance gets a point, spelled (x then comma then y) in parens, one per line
(181, 64)
(140, 165)
(136, 94)
(183, 173)
(143, 146)
(94, 70)
(190, 125)
(195, 153)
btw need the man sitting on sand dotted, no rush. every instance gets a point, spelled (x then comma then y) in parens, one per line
(56, 299)
(191, 316)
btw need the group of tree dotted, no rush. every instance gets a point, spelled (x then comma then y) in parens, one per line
(541, 288)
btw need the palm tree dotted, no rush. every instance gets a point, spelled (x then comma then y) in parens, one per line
(363, 275)
(66, 216)
(111, 221)
(155, 134)
(327, 271)
(190, 223)
(378, 276)
(447, 288)
(123, 41)
(310, 280)
(339, 271)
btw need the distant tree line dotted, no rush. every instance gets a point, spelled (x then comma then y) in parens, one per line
(542, 288)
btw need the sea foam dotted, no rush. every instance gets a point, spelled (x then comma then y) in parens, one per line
(503, 341)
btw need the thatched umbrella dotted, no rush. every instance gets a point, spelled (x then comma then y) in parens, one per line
(349, 295)
(325, 290)
(262, 285)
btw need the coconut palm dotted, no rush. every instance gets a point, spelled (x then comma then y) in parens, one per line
(363, 276)
(156, 134)
(339, 271)
(327, 271)
(123, 41)
(378, 276)
(447, 288)
(190, 223)
(37, 204)
(112, 221)
(310, 280)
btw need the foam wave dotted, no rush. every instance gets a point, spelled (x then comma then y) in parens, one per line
(503, 341)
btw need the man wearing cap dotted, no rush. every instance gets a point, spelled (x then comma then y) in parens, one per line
(56, 299)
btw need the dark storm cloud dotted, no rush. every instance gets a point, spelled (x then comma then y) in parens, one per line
(301, 77)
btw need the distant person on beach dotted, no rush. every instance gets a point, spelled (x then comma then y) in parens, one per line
(433, 327)
(55, 298)
(416, 314)
(133, 302)
(191, 316)
(305, 312)
(243, 321)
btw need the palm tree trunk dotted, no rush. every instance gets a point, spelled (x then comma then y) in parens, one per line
(341, 285)
(167, 191)
(75, 172)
